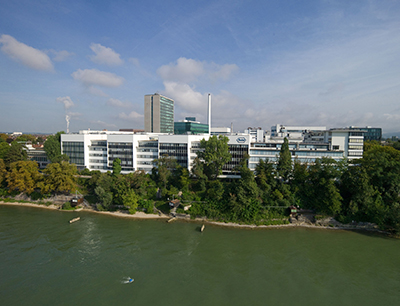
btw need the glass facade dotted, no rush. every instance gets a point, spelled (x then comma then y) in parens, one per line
(166, 115)
(123, 151)
(178, 151)
(237, 152)
(190, 128)
(75, 151)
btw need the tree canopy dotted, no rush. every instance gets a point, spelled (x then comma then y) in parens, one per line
(23, 176)
(215, 154)
(59, 177)
(52, 147)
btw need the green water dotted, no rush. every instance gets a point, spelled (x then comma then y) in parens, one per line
(44, 260)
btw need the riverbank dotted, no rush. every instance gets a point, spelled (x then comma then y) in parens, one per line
(142, 215)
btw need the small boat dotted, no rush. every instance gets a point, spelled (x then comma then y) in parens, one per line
(202, 228)
(130, 280)
(74, 220)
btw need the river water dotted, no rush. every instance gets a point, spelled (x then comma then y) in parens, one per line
(44, 260)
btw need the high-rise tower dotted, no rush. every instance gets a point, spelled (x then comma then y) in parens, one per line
(158, 114)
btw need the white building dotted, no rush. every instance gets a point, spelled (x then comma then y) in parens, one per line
(96, 150)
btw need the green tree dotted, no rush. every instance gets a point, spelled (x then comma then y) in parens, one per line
(198, 175)
(130, 200)
(382, 165)
(120, 189)
(23, 176)
(361, 201)
(324, 195)
(105, 197)
(284, 166)
(15, 153)
(52, 147)
(162, 170)
(140, 182)
(247, 205)
(4, 148)
(3, 137)
(59, 178)
(3, 171)
(116, 167)
(215, 154)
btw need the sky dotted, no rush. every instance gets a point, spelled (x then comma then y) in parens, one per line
(90, 63)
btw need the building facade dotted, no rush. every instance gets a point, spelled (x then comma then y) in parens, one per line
(96, 150)
(190, 126)
(158, 114)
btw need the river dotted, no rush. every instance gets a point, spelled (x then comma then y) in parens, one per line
(44, 260)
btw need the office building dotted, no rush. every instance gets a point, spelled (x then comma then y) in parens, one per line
(190, 126)
(96, 150)
(370, 133)
(158, 114)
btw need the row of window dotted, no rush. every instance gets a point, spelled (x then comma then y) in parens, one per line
(356, 140)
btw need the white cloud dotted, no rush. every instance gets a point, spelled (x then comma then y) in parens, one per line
(96, 77)
(26, 55)
(66, 101)
(104, 55)
(131, 116)
(117, 103)
(190, 70)
(61, 56)
(185, 70)
(186, 97)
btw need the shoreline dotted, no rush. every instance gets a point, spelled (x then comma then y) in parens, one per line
(142, 215)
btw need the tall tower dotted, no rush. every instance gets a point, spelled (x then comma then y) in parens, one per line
(158, 114)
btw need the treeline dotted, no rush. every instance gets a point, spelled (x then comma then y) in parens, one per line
(366, 190)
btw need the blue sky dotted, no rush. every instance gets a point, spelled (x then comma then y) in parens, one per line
(330, 63)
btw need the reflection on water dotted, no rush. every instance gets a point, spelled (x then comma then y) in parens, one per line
(46, 260)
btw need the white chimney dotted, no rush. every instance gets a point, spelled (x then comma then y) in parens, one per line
(209, 114)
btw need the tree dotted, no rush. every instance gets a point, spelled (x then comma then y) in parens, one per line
(105, 197)
(361, 201)
(23, 176)
(382, 165)
(323, 194)
(3, 137)
(59, 177)
(3, 171)
(162, 170)
(131, 201)
(15, 153)
(116, 167)
(120, 189)
(4, 148)
(52, 147)
(285, 161)
(215, 155)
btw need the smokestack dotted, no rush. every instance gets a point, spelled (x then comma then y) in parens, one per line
(67, 119)
(209, 114)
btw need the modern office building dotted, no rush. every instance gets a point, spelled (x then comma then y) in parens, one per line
(190, 126)
(96, 150)
(158, 114)
(370, 133)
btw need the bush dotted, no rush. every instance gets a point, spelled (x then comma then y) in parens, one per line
(67, 206)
